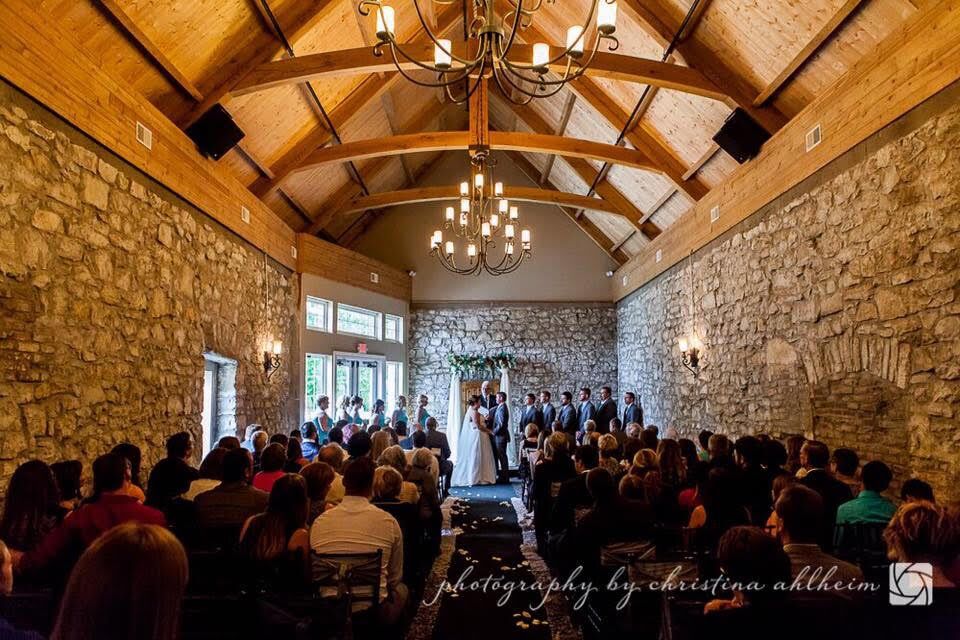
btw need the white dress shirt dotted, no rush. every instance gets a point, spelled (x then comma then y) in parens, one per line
(356, 526)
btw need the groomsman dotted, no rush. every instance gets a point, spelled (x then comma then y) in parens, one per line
(501, 437)
(568, 414)
(586, 410)
(531, 414)
(632, 412)
(546, 407)
(607, 410)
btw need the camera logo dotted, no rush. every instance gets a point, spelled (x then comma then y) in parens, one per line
(911, 584)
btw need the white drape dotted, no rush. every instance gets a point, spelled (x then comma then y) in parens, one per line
(454, 415)
(512, 453)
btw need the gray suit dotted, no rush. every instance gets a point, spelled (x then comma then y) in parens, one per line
(549, 414)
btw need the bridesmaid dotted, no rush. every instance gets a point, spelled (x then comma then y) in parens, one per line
(378, 420)
(422, 413)
(400, 413)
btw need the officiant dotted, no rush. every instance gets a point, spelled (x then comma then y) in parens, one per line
(487, 400)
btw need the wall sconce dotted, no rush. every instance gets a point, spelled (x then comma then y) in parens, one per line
(690, 351)
(271, 357)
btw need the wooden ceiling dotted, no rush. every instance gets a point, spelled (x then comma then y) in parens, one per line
(771, 57)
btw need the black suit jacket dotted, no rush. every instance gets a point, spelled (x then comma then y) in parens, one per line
(437, 440)
(532, 415)
(568, 418)
(501, 421)
(488, 402)
(549, 413)
(605, 413)
(632, 413)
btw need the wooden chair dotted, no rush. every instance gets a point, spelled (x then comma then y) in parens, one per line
(352, 580)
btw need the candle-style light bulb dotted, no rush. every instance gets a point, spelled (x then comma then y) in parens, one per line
(442, 54)
(514, 213)
(463, 220)
(684, 346)
(448, 214)
(525, 236)
(464, 188)
(449, 248)
(541, 56)
(498, 189)
(606, 17)
(464, 205)
(575, 40)
(277, 347)
(485, 229)
(385, 22)
(478, 180)
(472, 250)
(504, 206)
(494, 220)
(509, 249)
(508, 231)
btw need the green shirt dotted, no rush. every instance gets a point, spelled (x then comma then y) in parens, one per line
(868, 507)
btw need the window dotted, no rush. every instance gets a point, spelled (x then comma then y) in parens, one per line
(316, 383)
(393, 328)
(358, 322)
(319, 314)
(395, 386)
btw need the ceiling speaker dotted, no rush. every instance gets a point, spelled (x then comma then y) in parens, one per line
(741, 136)
(215, 132)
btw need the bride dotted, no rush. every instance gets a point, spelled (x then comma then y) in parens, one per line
(475, 461)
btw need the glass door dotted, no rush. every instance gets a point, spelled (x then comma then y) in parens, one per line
(360, 375)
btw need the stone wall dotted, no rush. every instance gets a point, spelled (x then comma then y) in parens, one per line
(111, 290)
(834, 312)
(557, 347)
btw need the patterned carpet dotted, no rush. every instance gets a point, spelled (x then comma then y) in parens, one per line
(488, 583)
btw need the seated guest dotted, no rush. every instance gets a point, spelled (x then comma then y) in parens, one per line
(387, 484)
(794, 463)
(211, 474)
(573, 498)
(924, 532)
(799, 525)
(379, 441)
(114, 505)
(132, 453)
(633, 430)
(644, 460)
(279, 438)
(295, 460)
(438, 444)
(814, 458)
(260, 442)
(649, 438)
(688, 450)
(171, 477)
(844, 464)
(755, 482)
(631, 448)
(334, 456)
(420, 442)
(916, 490)
(359, 445)
(228, 442)
(551, 471)
(704, 439)
(422, 475)
(271, 467)
(69, 481)
(780, 484)
(310, 444)
(692, 496)
(296, 435)
(673, 478)
(405, 442)
(277, 540)
(609, 454)
(616, 430)
(319, 477)
(336, 435)
(589, 428)
(394, 457)
(248, 434)
(222, 510)
(31, 508)
(357, 526)
(7, 631)
(774, 458)
(721, 450)
(127, 586)
(722, 508)
(531, 437)
(869, 505)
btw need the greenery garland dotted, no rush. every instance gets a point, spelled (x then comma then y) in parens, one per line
(470, 365)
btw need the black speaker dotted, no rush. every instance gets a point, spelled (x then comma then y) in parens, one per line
(741, 136)
(215, 132)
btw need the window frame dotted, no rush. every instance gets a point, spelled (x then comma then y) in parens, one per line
(326, 361)
(400, 328)
(329, 314)
(377, 324)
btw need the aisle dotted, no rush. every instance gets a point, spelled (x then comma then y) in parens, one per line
(485, 541)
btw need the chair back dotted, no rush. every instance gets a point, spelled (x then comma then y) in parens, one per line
(354, 577)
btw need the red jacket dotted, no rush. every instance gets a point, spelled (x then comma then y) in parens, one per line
(64, 544)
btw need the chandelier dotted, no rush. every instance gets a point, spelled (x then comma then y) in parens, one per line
(486, 220)
(495, 37)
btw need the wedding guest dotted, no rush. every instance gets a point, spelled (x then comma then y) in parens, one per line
(404, 438)
(127, 586)
(631, 409)
(573, 496)
(721, 508)
(422, 413)
(649, 438)
(551, 471)
(211, 474)
(844, 464)
(814, 458)
(568, 414)
(228, 442)
(271, 467)
(279, 438)
(531, 413)
(319, 477)
(780, 484)
(916, 490)
(69, 482)
(689, 452)
(132, 453)
(378, 419)
(775, 458)
(277, 540)
(420, 442)
(794, 447)
(221, 511)
(295, 458)
(606, 411)
(924, 532)
(334, 456)
(585, 410)
(357, 526)
(673, 470)
(336, 435)
(755, 482)
(609, 455)
(400, 413)
(437, 442)
(379, 441)
(531, 436)
(248, 434)
(31, 508)
(421, 475)
(296, 435)
(394, 457)
(547, 409)
(260, 442)
(8, 631)
(616, 430)
(721, 450)
(703, 438)
(633, 430)
(359, 445)
(869, 505)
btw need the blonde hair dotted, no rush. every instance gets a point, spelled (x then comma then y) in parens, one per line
(379, 442)
(922, 532)
(127, 584)
(645, 458)
(531, 430)
(387, 482)
(589, 426)
(393, 456)
(608, 445)
(422, 458)
(556, 444)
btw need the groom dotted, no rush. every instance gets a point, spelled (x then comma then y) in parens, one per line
(501, 437)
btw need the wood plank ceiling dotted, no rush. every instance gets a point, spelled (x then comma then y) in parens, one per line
(772, 57)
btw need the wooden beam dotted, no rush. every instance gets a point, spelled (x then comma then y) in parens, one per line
(702, 160)
(662, 200)
(346, 62)
(44, 61)
(836, 20)
(450, 140)
(479, 115)
(656, 16)
(560, 130)
(339, 264)
(914, 62)
(624, 240)
(694, 20)
(126, 24)
(390, 111)
(296, 21)
(452, 193)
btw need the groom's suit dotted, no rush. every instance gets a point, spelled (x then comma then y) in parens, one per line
(501, 437)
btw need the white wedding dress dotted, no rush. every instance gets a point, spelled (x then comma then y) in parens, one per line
(475, 462)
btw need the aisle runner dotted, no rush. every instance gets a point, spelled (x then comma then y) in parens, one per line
(485, 544)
